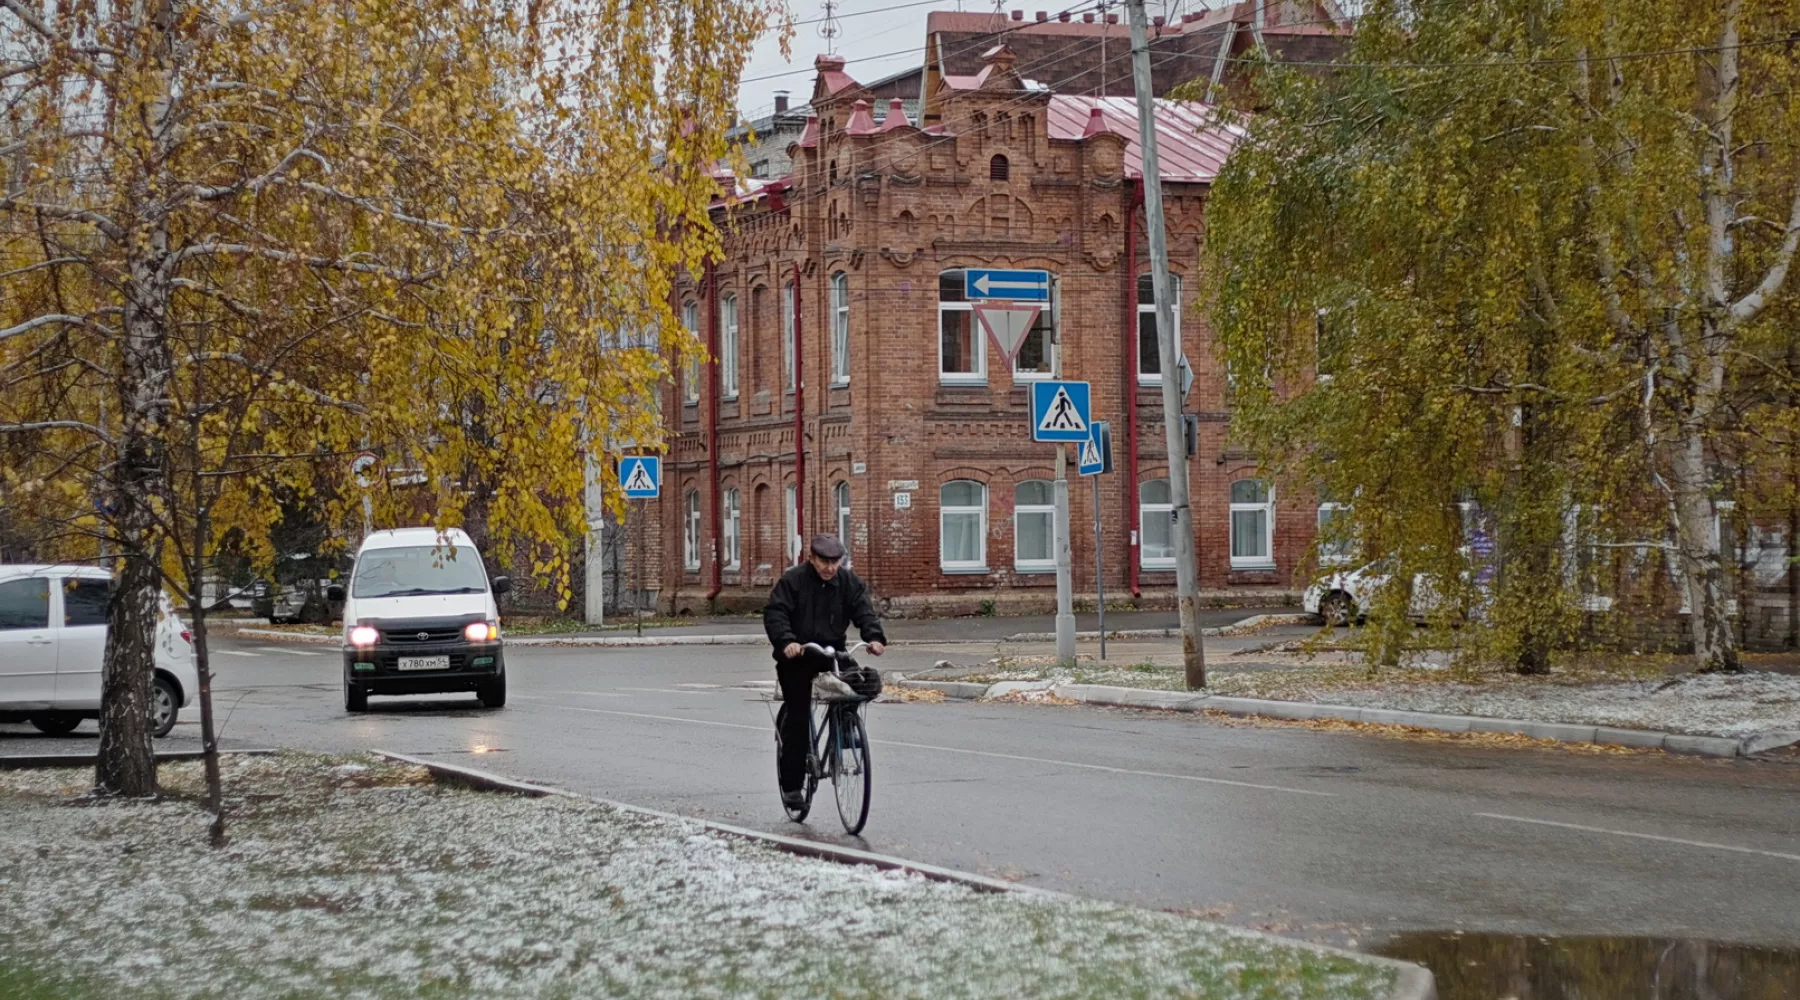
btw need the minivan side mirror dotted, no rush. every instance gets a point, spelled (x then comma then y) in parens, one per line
(502, 585)
(334, 592)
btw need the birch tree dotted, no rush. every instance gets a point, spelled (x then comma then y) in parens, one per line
(239, 241)
(1550, 239)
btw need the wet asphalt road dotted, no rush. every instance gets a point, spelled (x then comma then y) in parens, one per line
(1326, 835)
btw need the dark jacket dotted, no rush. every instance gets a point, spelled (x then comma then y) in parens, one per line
(805, 608)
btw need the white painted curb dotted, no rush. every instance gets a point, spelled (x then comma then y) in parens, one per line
(1411, 982)
(1187, 701)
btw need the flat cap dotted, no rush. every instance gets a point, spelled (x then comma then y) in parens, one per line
(827, 547)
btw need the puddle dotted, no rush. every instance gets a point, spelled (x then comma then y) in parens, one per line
(1514, 967)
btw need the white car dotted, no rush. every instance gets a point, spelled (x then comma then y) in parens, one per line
(420, 618)
(1344, 598)
(53, 638)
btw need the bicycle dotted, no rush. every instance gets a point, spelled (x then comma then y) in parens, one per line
(839, 749)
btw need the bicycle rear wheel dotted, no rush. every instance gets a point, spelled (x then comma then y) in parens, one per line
(851, 781)
(797, 813)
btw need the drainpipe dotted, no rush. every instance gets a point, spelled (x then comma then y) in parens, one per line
(799, 418)
(1131, 370)
(712, 429)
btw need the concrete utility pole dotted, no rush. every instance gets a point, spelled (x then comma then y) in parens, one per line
(1193, 656)
(1065, 584)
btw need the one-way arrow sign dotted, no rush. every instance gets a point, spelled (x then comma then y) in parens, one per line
(1022, 286)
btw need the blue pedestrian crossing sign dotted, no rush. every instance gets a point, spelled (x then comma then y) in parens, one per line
(1059, 411)
(981, 284)
(641, 476)
(1096, 451)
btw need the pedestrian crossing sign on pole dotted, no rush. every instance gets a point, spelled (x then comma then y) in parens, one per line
(641, 476)
(1059, 411)
(1096, 451)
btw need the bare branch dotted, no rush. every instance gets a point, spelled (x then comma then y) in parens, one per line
(40, 265)
(105, 225)
(330, 263)
(30, 17)
(299, 152)
(1747, 308)
(45, 425)
(230, 303)
(32, 324)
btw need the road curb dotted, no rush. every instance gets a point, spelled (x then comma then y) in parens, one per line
(1411, 982)
(1184, 701)
(20, 762)
(269, 633)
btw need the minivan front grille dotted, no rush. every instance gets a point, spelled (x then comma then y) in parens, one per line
(403, 636)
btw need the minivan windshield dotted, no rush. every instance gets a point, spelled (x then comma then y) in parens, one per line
(416, 570)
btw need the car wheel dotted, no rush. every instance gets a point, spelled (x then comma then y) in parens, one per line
(1337, 609)
(493, 693)
(165, 705)
(56, 723)
(356, 697)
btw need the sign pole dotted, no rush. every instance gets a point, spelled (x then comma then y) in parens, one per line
(1065, 598)
(637, 595)
(1099, 569)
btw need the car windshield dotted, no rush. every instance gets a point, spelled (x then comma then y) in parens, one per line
(415, 570)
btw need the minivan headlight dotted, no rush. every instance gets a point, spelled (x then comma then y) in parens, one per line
(364, 635)
(481, 631)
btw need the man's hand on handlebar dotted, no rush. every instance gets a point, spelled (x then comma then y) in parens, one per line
(878, 648)
(792, 651)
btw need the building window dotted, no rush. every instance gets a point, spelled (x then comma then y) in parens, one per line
(1329, 345)
(962, 526)
(999, 169)
(1149, 352)
(1335, 546)
(690, 536)
(690, 320)
(733, 517)
(840, 495)
(1034, 520)
(1037, 356)
(1252, 525)
(962, 350)
(840, 329)
(1156, 526)
(728, 347)
(792, 521)
(787, 335)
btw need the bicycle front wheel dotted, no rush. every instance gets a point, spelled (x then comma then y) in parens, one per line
(850, 777)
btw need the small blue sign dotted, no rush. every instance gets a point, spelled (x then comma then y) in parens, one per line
(1096, 451)
(1059, 411)
(641, 476)
(981, 284)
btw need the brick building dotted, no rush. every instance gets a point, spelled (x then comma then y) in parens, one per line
(912, 445)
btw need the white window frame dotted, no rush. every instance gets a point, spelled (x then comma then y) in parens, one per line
(979, 563)
(1267, 508)
(1146, 511)
(979, 375)
(1046, 511)
(1332, 557)
(690, 538)
(1149, 308)
(1055, 332)
(840, 497)
(787, 334)
(690, 320)
(728, 347)
(791, 497)
(733, 530)
(840, 329)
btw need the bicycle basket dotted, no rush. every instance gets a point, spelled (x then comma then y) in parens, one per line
(865, 681)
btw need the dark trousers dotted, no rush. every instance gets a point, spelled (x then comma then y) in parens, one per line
(794, 718)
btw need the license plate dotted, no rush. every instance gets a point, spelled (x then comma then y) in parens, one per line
(424, 663)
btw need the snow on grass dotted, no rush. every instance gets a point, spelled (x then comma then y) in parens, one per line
(364, 880)
(1731, 705)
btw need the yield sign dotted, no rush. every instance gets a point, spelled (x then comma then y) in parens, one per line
(1007, 325)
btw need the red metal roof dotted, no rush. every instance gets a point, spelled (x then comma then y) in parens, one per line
(1191, 146)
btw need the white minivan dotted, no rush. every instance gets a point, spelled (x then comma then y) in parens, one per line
(420, 618)
(52, 642)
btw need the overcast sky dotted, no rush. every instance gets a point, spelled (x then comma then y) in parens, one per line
(878, 38)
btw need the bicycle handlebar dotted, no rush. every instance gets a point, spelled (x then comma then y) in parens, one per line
(834, 654)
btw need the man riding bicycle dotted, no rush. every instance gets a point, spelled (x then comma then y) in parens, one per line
(815, 602)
